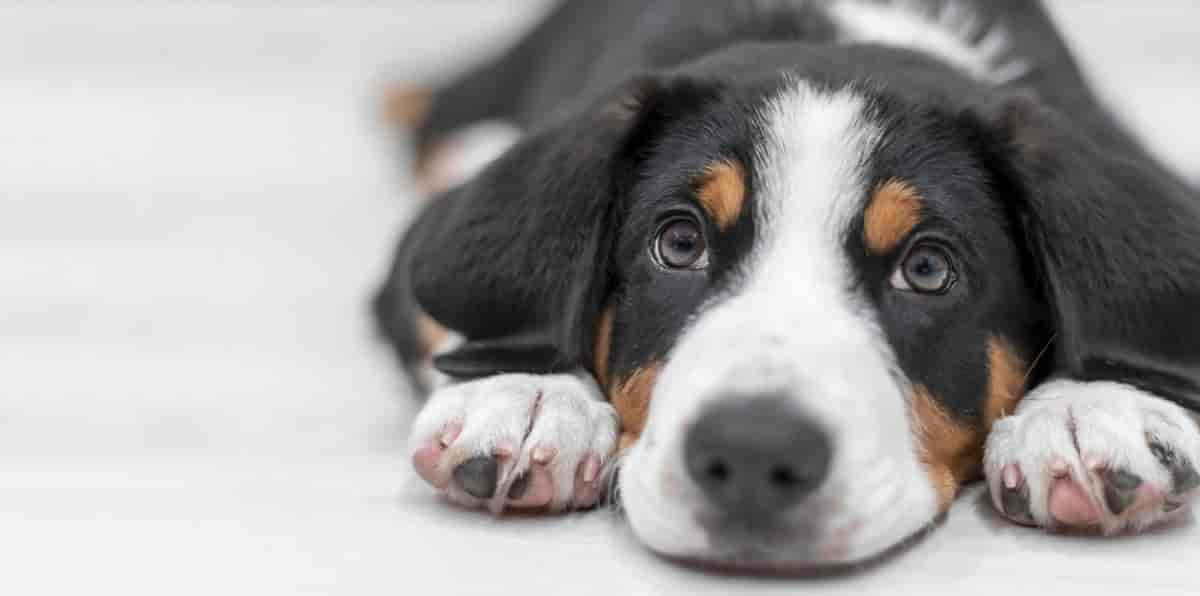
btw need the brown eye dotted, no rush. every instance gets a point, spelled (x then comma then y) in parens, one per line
(926, 270)
(680, 245)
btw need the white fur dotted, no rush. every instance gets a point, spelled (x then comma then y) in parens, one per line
(521, 412)
(952, 31)
(791, 326)
(1111, 423)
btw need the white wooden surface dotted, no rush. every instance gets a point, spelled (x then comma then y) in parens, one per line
(194, 202)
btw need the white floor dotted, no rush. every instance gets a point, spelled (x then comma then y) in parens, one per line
(195, 199)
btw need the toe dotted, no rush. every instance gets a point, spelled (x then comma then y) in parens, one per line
(532, 490)
(1070, 505)
(477, 476)
(426, 462)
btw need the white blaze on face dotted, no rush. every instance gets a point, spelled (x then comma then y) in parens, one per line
(792, 325)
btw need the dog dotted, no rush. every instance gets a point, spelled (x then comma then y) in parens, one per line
(782, 276)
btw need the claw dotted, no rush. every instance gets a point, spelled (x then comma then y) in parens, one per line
(588, 488)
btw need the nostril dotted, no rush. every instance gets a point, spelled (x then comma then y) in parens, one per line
(718, 471)
(783, 477)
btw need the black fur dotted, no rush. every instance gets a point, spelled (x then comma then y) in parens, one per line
(1074, 235)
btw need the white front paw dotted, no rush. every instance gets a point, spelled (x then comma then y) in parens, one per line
(517, 441)
(1093, 455)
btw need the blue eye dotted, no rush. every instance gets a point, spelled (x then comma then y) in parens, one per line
(926, 270)
(681, 245)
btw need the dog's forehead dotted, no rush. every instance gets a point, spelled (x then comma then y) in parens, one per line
(853, 167)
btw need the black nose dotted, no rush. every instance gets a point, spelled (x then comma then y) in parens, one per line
(756, 458)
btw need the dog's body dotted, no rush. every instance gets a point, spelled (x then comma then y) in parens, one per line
(798, 262)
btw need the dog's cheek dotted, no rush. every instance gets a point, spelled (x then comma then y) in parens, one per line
(631, 398)
(951, 450)
(1007, 378)
(603, 347)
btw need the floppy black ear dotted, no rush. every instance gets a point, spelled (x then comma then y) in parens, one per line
(1117, 242)
(517, 259)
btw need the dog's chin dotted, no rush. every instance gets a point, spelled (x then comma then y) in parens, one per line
(786, 554)
(823, 537)
(752, 561)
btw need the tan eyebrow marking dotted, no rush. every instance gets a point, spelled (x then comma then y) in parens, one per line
(894, 211)
(722, 192)
(951, 452)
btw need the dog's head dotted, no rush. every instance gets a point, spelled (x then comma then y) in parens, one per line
(809, 300)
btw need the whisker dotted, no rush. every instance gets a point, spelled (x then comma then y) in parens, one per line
(1037, 360)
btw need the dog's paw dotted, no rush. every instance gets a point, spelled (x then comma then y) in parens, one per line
(1093, 456)
(517, 441)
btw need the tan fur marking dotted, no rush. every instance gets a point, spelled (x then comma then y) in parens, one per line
(1006, 381)
(951, 452)
(432, 334)
(604, 344)
(722, 192)
(407, 106)
(631, 398)
(894, 211)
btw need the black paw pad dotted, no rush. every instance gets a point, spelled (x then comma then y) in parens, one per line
(1184, 476)
(477, 476)
(1120, 490)
(1016, 505)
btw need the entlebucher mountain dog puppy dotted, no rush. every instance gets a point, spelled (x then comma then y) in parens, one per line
(782, 276)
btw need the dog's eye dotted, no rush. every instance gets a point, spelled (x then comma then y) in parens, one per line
(926, 270)
(680, 245)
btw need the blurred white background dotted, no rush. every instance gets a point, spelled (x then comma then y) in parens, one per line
(196, 198)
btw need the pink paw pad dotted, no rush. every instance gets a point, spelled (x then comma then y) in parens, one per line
(1071, 506)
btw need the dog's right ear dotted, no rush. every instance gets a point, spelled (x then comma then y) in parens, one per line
(517, 260)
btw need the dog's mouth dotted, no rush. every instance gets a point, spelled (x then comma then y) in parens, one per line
(784, 549)
(759, 560)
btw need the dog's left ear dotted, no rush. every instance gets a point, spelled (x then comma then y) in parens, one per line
(517, 259)
(1116, 240)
